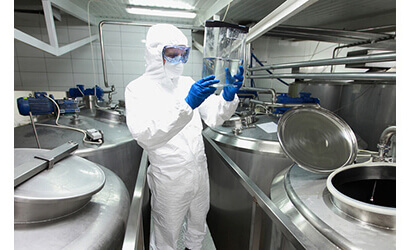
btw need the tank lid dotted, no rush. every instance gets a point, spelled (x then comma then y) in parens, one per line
(55, 192)
(317, 139)
(219, 24)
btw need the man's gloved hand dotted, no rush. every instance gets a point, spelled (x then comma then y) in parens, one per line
(230, 91)
(200, 90)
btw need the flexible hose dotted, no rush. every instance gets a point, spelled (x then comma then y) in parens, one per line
(99, 142)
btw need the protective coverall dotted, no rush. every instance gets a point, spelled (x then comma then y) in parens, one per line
(162, 123)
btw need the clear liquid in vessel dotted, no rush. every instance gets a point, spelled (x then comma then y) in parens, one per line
(216, 66)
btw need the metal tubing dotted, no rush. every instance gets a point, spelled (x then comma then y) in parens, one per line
(332, 76)
(100, 26)
(132, 236)
(34, 129)
(262, 90)
(383, 57)
(291, 232)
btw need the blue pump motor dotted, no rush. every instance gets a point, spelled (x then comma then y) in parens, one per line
(41, 105)
(80, 92)
(284, 98)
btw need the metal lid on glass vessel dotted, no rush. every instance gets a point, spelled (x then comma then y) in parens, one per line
(56, 192)
(317, 139)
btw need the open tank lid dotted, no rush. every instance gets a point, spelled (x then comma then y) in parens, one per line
(55, 192)
(317, 139)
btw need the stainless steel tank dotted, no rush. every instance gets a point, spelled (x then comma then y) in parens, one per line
(234, 221)
(76, 204)
(362, 218)
(334, 203)
(120, 153)
(368, 107)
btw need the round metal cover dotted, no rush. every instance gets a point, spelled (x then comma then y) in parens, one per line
(56, 192)
(316, 139)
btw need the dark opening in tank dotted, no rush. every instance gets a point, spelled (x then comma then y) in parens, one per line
(373, 185)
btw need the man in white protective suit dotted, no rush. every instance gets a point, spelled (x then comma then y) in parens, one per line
(164, 111)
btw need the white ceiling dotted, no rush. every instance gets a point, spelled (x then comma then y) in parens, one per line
(335, 14)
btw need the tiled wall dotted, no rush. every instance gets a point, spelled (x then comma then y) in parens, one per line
(124, 51)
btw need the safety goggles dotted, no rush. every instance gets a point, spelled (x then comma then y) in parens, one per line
(176, 53)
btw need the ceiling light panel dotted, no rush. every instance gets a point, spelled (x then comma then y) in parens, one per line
(161, 13)
(173, 4)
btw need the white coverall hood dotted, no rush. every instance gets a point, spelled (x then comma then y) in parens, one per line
(159, 36)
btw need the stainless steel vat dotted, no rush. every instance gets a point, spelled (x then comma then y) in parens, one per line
(305, 198)
(98, 224)
(368, 107)
(120, 153)
(234, 220)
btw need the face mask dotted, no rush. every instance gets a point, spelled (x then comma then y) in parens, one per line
(173, 70)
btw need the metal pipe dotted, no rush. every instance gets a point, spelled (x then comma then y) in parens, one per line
(262, 90)
(334, 76)
(383, 57)
(285, 225)
(132, 236)
(34, 129)
(100, 26)
(387, 134)
(384, 142)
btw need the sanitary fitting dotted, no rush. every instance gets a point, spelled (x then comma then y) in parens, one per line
(384, 144)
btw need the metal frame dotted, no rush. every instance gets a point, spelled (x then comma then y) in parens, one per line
(383, 57)
(277, 16)
(42, 161)
(291, 232)
(53, 48)
(210, 12)
(133, 238)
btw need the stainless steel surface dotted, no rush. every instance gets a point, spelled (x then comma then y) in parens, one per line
(34, 129)
(293, 234)
(366, 192)
(65, 188)
(108, 115)
(259, 155)
(328, 92)
(363, 38)
(387, 134)
(99, 224)
(332, 76)
(387, 146)
(119, 152)
(133, 238)
(90, 101)
(41, 161)
(262, 90)
(358, 103)
(317, 139)
(383, 57)
(368, 108)
(302, 195)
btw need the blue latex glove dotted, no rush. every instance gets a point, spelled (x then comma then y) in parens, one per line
(200, 90)
(230, 91)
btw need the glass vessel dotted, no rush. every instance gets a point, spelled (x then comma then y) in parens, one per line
(224, 47)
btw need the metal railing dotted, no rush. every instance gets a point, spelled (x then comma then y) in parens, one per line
(134, 238)
(284, 224)
(383, 57)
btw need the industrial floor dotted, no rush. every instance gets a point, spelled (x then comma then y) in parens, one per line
(207, 244)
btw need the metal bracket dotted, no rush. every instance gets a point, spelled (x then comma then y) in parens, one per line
(42, 161)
